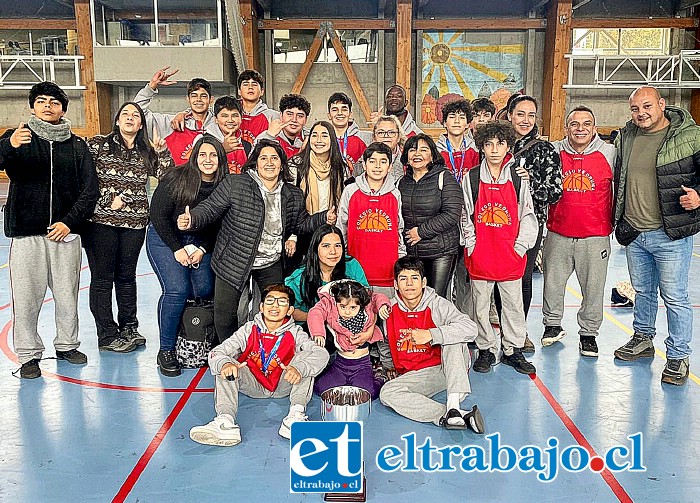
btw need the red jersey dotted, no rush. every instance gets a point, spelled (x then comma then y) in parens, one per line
(373, 235)
(252, 126)
(351, 147)
(180, 143)
(406, 354)
(264, 353)
(585, 207)
(464, 160)
(496, 225)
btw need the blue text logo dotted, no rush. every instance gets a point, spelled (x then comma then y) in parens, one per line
(326, 457)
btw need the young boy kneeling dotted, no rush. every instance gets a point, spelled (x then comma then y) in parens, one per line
(269, 357)
(428, 338)
(499, 227)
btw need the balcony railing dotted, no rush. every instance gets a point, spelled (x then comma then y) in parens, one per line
(23, 71)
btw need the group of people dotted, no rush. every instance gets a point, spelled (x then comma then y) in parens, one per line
(381, 246)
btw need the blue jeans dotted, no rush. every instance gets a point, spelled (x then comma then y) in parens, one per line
(178, 284)
(655, 262)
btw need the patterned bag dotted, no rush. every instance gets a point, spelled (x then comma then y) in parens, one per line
(196, 335)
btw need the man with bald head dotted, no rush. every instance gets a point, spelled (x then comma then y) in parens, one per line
(657, 182)
(395, 102)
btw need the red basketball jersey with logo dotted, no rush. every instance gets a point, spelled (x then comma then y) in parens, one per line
(180, 143)
(252, 355)
(373, 235)
(464, 161)
(354, 149)
(406, 354)
(585, 208)
(236, 159)
(496, 226)
(252, 126)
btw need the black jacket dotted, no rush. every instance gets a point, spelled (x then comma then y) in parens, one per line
(49, 182)
(238, 200)
(435, 212)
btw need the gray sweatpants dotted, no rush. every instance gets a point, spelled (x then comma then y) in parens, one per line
(461, 288)
(513, 325)
(588, 257)
(226, 392)
(35, 264)
(410, 393)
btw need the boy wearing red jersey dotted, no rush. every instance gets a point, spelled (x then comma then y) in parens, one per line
(428, 338)
(269, 357)
(499, 226)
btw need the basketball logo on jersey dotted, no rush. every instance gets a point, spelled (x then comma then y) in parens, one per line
(407, 345)
(494, 215)
(578, 180)
(374, 220)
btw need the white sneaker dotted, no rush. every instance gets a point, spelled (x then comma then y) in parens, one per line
(222, 431)
(286, 426)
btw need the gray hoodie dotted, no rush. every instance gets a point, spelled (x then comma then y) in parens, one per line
(451, 325)
(597, 145)
(361, 184)
(309, 359)
(526, 213)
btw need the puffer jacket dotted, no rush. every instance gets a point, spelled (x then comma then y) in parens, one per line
(677, 163)
(238, 200)
(544, 166)
(436, 213)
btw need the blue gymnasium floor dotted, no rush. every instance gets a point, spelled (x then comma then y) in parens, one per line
(116, 430)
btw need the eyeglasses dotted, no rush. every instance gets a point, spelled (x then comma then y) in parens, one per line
(281, 301)
(386, 134)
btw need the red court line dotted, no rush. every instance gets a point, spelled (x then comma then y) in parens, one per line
(607, 475)
(157, 440)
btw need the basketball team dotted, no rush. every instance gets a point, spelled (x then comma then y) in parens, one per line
(396, 254)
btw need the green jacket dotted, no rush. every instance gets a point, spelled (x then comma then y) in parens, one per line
(677, 163)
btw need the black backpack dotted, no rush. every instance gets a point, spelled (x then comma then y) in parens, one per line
(474, 180)
(196, 335)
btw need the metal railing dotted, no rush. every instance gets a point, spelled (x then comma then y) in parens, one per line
(677, 71)
(23, 71)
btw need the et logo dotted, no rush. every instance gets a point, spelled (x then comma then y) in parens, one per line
(326, 456)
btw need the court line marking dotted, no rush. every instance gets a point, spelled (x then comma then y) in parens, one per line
(146, 457)
(607, 475)
(696, 255)
(629, 331)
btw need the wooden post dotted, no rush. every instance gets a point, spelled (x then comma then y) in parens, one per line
(87, 68)
(404, 19)
(350, 73)
(558, 39)
(249, 15)
(314, 50)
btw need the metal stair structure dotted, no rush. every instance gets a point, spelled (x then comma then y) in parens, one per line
(678, 71)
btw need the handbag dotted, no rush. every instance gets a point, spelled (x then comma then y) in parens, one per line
(196, 335)
(625, 233)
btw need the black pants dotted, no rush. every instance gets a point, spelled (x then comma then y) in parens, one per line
(112, 254)
(439, 271)
(226, 298)
(527, 277)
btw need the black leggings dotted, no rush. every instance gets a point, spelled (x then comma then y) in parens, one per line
(226, 298)
(439, 271)
(527, 277)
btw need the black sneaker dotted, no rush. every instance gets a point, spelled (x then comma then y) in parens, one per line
(676, 371)
(485, 361)
(639, 346)
(552, 335)
(518, 362)
(168, 364)
(131, 334)
(119, 345)
(73, 356)
(30, 369)
(528, 346)
(587, 346)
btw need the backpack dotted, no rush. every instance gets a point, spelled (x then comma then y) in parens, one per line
(474, 180)
(196, 335)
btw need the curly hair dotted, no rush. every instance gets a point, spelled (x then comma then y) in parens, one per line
(483, 105)
(457, 106)
(295, 101)
(501, 130)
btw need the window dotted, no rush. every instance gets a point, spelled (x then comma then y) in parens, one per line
(624, 42)
(292, 46)
(157, 23)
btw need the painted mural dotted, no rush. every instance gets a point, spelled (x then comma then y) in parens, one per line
(452, 68)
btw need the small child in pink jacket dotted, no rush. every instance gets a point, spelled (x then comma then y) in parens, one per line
(350, 312)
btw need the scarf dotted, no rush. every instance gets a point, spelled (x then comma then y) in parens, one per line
(318, 170)
(50, 132)
(354, 324)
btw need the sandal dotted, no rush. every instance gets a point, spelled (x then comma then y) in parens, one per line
(454, 425)
(475, 421)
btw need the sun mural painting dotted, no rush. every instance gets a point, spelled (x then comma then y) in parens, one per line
(452, 68)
